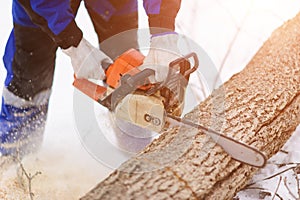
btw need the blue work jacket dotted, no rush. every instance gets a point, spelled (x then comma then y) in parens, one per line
(57, 19)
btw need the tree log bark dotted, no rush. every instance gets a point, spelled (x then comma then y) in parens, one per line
(259, 106)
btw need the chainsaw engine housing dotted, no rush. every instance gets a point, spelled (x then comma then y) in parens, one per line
(145, 111)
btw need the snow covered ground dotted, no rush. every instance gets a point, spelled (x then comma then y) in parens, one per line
(68, 170)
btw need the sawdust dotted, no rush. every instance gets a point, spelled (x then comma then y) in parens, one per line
(63, 176)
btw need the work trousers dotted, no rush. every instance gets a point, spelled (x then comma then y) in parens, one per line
(30, 53)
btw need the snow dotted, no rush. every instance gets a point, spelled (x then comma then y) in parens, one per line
(69, 171)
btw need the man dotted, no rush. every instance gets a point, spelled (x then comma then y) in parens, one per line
(40, 27)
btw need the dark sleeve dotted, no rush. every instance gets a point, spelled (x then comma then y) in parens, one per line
(162, 13)
(54, 17)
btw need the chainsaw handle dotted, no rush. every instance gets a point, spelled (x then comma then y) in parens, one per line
(186, 72)
(138, 79)
(129, 83)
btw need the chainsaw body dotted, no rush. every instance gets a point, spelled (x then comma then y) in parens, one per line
(151, 107)
(131, 96)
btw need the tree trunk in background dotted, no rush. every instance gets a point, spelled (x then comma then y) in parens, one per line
(259, 106)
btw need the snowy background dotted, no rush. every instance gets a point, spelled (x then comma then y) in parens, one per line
(231, 31)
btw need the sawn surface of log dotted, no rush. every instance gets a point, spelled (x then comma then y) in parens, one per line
(259, 106)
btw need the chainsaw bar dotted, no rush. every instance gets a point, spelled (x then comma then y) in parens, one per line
(236, 149)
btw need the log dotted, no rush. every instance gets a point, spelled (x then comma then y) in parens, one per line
(259, 106)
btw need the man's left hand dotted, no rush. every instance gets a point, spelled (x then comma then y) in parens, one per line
(163, 50)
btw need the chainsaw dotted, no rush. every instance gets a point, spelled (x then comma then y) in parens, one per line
(130, 95)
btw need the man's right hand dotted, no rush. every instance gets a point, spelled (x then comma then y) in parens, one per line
(86, 60)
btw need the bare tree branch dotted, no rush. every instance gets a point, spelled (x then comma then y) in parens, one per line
(288, 188)
(29, 176)
(276, 190)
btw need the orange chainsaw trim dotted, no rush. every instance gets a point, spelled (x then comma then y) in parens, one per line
(89, 88)
(126, 63)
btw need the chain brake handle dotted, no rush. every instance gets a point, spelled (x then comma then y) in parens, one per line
(184, 65)
(184, 69)
(174, 87)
